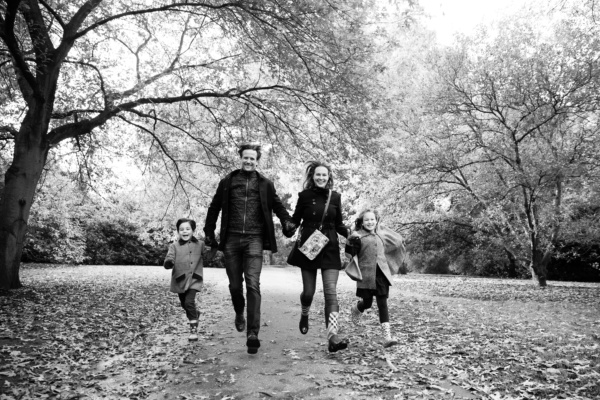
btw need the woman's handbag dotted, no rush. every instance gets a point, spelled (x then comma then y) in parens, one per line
(316, 241)
(353, 271)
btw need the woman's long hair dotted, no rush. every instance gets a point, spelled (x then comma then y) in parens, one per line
(309, 174)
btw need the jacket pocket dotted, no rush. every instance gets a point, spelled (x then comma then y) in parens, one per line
(180, 278)
(196, 276)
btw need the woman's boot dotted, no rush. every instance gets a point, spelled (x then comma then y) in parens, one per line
(304, 319)
(335, 343)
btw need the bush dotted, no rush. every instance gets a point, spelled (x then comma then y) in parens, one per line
(54, 238)
(430, 262)
(575, 262)
(117, 243)
(490, 261)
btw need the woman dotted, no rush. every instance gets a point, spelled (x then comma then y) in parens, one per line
(308, 214)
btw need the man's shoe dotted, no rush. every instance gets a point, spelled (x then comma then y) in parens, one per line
(253, 344)
(240, 322)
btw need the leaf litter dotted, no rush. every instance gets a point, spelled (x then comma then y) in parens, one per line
(116, 332)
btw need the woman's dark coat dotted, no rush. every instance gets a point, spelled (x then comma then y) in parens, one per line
(309, 211)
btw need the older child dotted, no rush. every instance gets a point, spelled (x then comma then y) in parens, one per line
(185, 258)
(380, 254)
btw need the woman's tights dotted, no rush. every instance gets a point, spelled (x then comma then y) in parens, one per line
(309, 282)
(367, 302)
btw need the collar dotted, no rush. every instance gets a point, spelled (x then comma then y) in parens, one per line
(193, 240)
(241, 171)
(363, 232)
(320, 189)
(246, 173)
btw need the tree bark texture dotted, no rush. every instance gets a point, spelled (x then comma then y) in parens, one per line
(21, 180)
(539, 267)
(512, 264)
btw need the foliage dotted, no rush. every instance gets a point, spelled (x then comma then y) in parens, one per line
(115, 243)
(182, 84)
(576, 261)
(505, 137)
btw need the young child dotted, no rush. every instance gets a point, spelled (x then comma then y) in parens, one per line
(185, 258)
(380, 254)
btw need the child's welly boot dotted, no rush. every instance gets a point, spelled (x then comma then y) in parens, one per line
(356, 314)
(335, 343)
(193, 331)
(388, 340)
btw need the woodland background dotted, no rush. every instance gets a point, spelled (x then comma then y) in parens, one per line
(484, 153)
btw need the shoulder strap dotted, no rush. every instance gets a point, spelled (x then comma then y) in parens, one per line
(325, 210)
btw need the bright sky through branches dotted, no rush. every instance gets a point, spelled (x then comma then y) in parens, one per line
(449, 17)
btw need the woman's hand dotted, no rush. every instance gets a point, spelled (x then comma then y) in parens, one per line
(288, 227)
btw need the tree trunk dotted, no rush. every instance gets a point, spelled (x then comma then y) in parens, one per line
(21, 180)
(512, 264)
(539, 267)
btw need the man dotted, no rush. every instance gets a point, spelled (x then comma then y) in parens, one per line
(246, 200)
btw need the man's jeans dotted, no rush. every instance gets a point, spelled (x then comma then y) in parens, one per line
(243, 259)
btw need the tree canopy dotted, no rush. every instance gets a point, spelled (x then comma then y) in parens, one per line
(195, 77)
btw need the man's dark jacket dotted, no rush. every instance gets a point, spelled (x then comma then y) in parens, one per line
(269, 202)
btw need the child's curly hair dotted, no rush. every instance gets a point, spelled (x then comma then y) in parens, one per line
(358, 224)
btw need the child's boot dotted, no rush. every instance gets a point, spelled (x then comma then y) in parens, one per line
(193, 331)
(388, 340)
(356, 314)
(304, 319)
(335, 343)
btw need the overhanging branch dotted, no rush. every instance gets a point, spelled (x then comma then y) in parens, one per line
(86, 126)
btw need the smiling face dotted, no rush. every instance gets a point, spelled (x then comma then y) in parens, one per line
(185, 231)
(321, 177)
(249, 160)
(369, 221)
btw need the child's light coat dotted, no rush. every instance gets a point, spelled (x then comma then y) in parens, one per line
(188, 268)
(382, 247)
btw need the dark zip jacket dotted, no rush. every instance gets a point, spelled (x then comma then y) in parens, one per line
(269, 203)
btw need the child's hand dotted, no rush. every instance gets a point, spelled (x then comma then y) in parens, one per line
(169, 264)
(348, 259)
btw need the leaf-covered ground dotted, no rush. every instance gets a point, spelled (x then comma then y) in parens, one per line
(498, 339)
(116, 332)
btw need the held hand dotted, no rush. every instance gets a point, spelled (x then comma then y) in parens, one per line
(354, 241)
(288, 228)
(169, 264)
(211, 241)
(348, 259)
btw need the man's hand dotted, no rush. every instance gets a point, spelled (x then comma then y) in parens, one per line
(169, 264)
(211, 241)
(288, 228)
